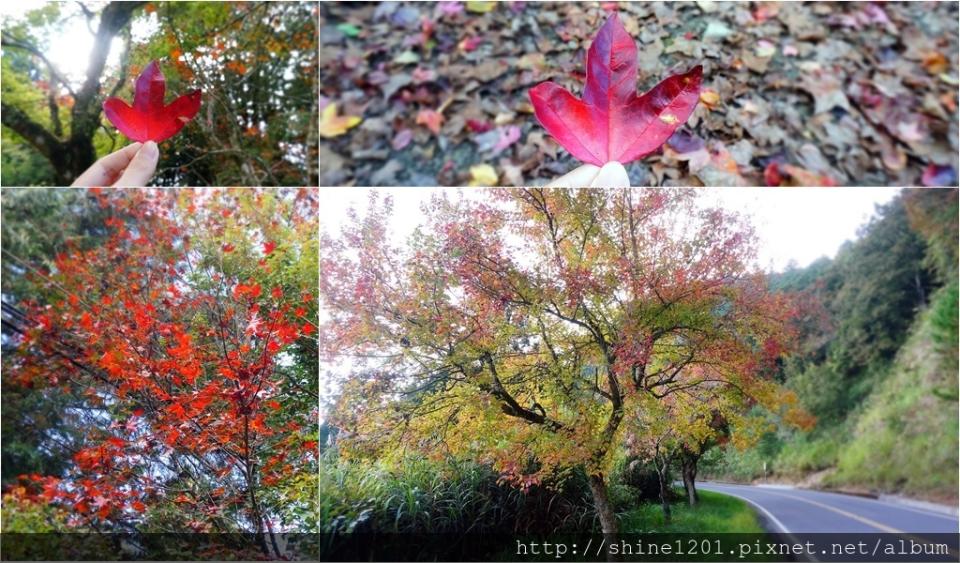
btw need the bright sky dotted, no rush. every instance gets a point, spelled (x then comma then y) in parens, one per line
(793, 224)
(70, 46)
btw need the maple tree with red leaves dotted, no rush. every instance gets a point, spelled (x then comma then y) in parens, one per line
(186, 342)
(532, 330)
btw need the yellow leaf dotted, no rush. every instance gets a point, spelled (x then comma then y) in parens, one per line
(935, 62)
(710, 98)
(483, 175)
(332, 125)
(480, 7)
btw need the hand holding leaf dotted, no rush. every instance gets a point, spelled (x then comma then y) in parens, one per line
(611, 123)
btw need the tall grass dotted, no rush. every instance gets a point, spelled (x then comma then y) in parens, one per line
(420, 496)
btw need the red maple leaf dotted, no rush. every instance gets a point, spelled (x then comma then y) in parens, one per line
(149, 119)
(611, 123)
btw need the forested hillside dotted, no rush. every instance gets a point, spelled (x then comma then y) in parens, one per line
(878, 365)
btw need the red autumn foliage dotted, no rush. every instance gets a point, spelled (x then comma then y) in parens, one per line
(149, 333)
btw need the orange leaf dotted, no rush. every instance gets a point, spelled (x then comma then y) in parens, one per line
(432, 119)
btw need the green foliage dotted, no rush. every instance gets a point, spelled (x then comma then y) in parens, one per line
(417, 495)
(20, 515)
(881, 282)
(933, 214)
(20, 165)
(907, 423)
(731, 464)
(945, 334)
(640, 480)
(807, 453)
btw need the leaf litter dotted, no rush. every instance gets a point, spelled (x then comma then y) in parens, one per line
(793, 93)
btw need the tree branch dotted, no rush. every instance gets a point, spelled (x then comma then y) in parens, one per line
(510, 405)
(8, 41)
(33, 132)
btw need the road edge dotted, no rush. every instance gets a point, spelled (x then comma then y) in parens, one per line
(895, 500)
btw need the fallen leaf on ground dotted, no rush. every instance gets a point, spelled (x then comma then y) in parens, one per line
(402, 139)
(710, 98)
(938, 176)
(480, 7)
(483, 175)
(802, 177)
(935, 62)
(333, 125)
(431, 119)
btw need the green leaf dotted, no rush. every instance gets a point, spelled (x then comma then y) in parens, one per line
(349, 29)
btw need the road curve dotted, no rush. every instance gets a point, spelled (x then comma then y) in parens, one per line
(801, 511)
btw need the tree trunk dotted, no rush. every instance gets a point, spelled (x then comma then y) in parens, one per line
(688, 466)
(663, 469)
(608, 520)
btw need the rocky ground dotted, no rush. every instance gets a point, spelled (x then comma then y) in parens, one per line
(806, 94)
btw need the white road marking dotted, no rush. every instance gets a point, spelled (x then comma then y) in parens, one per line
(776, 521)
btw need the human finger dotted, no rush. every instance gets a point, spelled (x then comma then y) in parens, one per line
(104, 171)
(612, 175)
(142, 168)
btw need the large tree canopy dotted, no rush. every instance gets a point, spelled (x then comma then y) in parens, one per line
(531, 330)
(254, 62)
(180, 348)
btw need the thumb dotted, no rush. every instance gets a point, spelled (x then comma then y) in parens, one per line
(580, 177)
(141, 168)
(612, 175)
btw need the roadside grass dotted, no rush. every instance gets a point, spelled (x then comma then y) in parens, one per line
(716, 513)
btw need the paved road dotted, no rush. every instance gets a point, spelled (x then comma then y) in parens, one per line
(800, 511)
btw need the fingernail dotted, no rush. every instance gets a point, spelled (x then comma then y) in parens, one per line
(150, 150)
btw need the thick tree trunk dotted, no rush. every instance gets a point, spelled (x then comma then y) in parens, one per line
(601, 502)
(688, 467)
